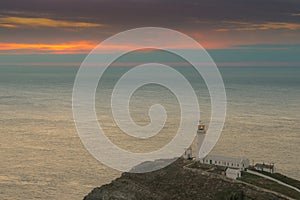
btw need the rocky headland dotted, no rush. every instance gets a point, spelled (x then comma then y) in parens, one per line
(177, 181)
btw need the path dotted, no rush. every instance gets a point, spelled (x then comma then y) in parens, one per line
(273, 179)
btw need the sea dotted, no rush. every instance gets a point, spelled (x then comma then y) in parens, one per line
(42, 156)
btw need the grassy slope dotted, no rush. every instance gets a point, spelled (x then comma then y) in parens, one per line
(270, 185)
(282, 178)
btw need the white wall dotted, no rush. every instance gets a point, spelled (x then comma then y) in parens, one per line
(233, 173)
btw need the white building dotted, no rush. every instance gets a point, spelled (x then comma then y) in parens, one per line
(233, 173)
(188, 154)
(193, 151)
(264, 167)
(201, 132)
(238, 163)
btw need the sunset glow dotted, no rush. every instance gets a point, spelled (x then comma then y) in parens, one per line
(15, 22)
(70, 47)
(82, 47)
(105, 94)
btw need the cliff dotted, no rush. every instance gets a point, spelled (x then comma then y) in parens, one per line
(179, 182)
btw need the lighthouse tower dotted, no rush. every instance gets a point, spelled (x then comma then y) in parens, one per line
(193, 151)
(201, 131)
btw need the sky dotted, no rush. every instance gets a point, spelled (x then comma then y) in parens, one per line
(226, 28)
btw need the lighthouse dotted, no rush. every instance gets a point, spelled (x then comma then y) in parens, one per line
(193, 151)
(201, 131)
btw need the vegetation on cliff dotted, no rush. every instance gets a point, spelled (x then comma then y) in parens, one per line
(179, 182)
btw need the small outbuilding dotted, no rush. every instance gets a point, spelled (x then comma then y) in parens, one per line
(188, 154)
(264, 167)
(233, 173)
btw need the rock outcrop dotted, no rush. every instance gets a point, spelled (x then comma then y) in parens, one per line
(178, 182)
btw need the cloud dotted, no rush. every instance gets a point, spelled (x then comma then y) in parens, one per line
(295, 14)
(237, 22)
(248, 26)
(15, 22)
(74, 47)
(60, 48)
(7, 25)
(268, 46)
(170, 13)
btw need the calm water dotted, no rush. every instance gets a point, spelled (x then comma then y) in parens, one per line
(43, 158)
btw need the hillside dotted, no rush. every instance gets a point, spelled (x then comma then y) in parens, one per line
(179, 182)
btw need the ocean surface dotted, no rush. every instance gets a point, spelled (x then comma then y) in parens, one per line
(42, 156)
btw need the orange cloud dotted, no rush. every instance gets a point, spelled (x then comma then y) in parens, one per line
(14, 22)
(8, 25)
(61, 48)
(78, 47)
(70, 47)
(246, 26)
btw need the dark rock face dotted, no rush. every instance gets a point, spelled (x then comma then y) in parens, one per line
(177, 182)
